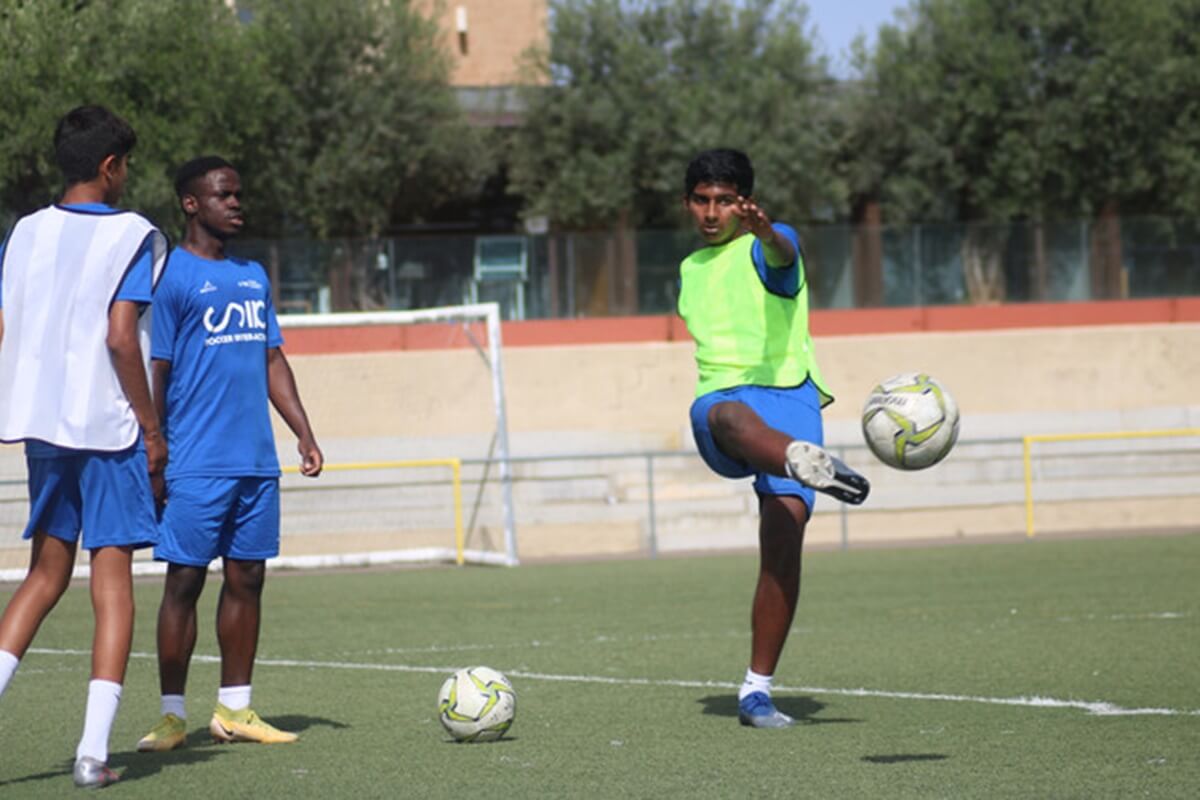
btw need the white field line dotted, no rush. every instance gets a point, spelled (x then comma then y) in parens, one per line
(1127, 617)
(1095, 708)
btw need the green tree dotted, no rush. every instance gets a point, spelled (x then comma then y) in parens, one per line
(178, 72)
(363, 129)
(983, 111)
(1178, 145)
(628, 92)
(338, 115)
(986, 109)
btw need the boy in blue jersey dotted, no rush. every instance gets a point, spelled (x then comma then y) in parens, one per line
(74, 388)
(217, 367)
(757, 411)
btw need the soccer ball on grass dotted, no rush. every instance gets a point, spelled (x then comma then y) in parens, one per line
(910, 421)
(476, 704)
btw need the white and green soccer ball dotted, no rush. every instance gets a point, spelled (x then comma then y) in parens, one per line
(477, 704)
(910, 421)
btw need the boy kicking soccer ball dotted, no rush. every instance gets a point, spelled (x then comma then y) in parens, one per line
(758, 403)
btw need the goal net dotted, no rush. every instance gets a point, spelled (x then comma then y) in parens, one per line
(409, 409)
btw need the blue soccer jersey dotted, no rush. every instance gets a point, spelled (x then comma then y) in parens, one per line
(214, 321)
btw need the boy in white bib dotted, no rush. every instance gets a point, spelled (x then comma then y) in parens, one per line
(74, 389)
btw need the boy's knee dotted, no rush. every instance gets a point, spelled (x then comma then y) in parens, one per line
(49, 580)
(245, 578)
(727, 419)
(184, 585)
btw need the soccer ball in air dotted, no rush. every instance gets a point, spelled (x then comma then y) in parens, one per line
(476, 704)
(910, 421)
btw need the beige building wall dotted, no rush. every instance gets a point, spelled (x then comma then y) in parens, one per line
(486, 38)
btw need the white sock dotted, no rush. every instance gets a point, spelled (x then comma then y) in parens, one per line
(235, 698)
(8, 665)
(755, 683)
(103, 699)
(173, 704)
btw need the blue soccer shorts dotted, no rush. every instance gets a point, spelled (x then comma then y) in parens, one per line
(794, 410)
(205, 518)
(104, 495)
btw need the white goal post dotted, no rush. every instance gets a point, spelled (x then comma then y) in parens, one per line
(498, 452)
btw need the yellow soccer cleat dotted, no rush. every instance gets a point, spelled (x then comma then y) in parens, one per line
(245, 726)
(169, 733)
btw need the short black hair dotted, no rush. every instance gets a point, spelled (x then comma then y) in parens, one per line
(721, 165)
(197, 168)
(86, 136)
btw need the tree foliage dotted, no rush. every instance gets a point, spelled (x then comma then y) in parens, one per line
(343, 123)
(364, 128)
(993, 109)
(630, 91)
(177, 72)
(338, 114)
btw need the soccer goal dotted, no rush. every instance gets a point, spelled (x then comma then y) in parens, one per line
(409, 408)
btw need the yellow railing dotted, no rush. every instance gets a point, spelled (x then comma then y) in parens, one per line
(455, 466)
(1028, 441)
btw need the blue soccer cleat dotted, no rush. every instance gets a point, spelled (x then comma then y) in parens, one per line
(757, 711)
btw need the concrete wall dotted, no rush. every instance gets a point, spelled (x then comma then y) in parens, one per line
(626, 397)
(631, 397)
(1007, 382)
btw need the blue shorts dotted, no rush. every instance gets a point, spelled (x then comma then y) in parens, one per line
(205, 518)
(794, 410)
(105, 495)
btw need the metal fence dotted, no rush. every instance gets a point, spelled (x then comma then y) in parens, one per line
(652, 503)
(614, 273)
(655, 502)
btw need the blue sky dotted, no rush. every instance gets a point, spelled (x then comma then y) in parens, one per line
(839, 21)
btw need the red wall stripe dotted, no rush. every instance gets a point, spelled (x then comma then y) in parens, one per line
(669, 328)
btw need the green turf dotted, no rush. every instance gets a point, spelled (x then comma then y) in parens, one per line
(1115, 621)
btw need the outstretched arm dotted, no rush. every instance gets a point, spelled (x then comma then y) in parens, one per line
(126, 354)
(281, 387)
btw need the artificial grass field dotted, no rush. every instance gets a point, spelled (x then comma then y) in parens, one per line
(626, 676)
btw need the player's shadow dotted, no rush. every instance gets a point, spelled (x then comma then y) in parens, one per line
(40, 776)
(299, 723)
(132, 765)
(503, 740)
(904, 758)
(801, 709)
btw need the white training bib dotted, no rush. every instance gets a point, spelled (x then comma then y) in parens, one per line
(61, 272)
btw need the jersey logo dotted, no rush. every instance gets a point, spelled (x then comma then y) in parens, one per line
(207, 287)
(250, 314)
